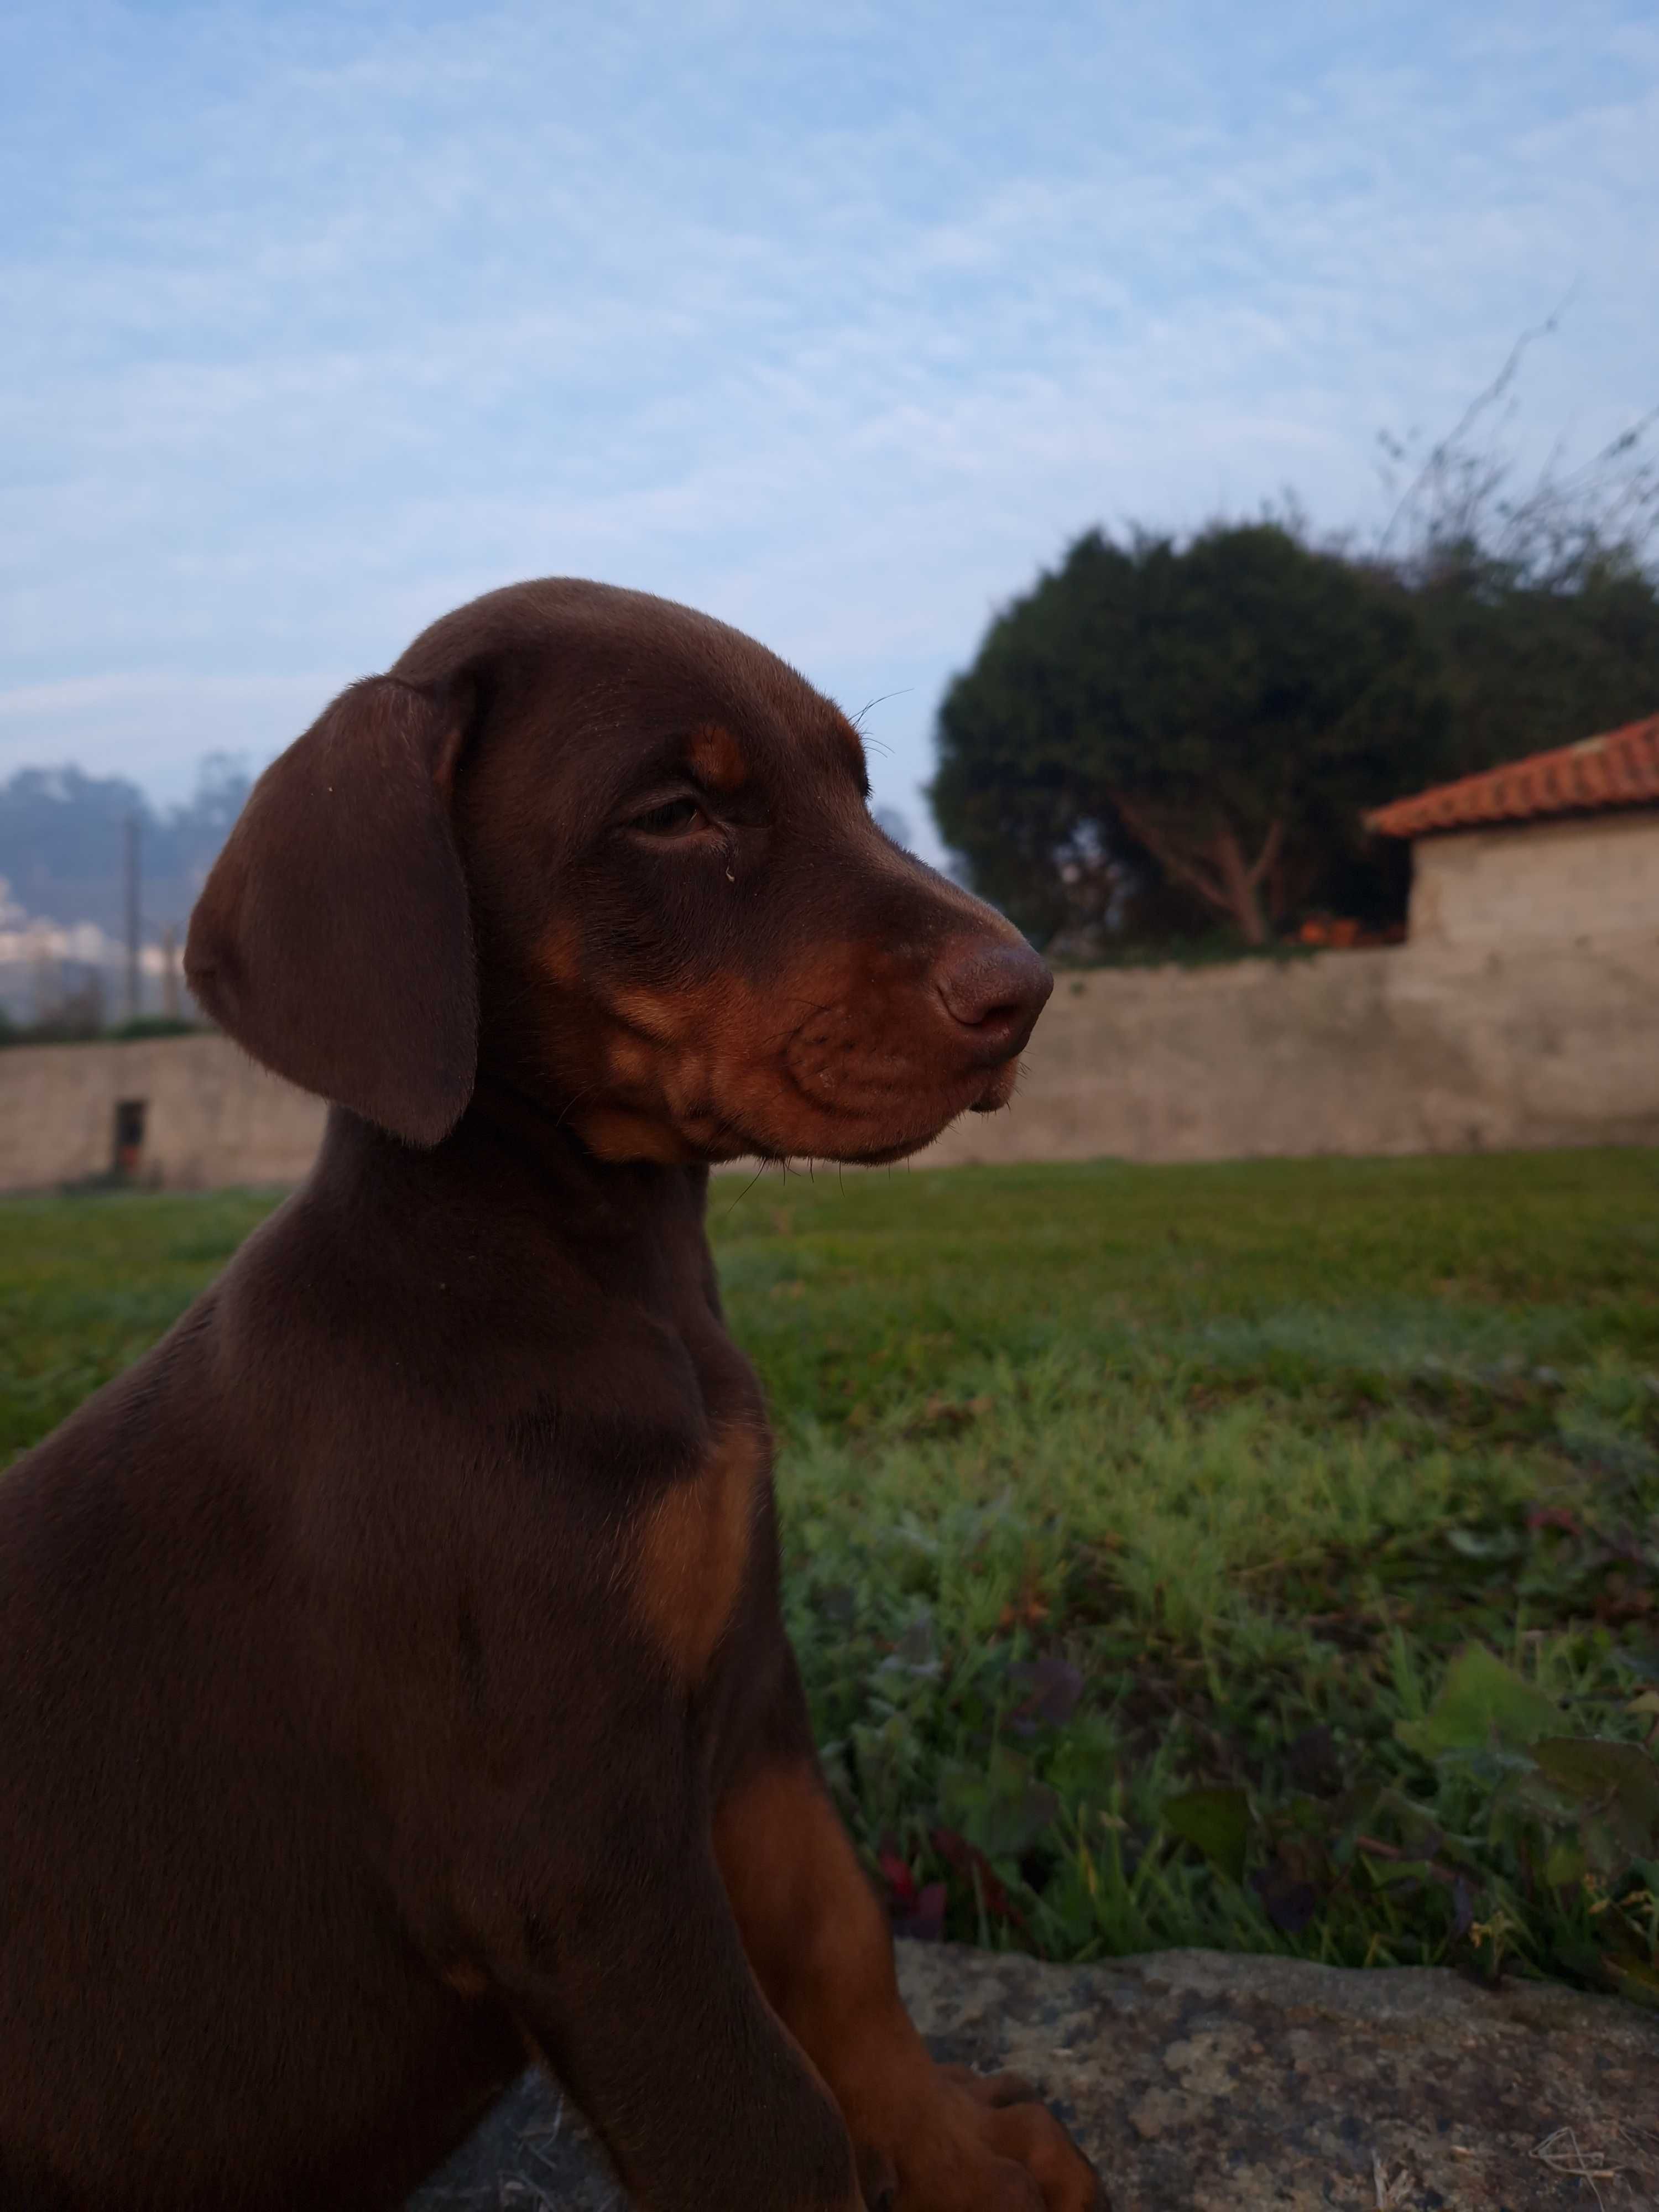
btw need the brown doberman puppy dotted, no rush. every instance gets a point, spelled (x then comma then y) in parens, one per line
(392, 1675)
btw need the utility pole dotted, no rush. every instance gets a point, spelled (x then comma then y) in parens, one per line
(132, 917)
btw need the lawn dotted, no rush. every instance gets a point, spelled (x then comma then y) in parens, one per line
(1263, 1556)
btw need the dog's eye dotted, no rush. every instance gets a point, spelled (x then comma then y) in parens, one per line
(672, 819)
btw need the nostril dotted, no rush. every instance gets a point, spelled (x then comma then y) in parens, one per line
(996, 990)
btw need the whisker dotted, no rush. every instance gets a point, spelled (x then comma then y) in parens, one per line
(881, 699)
(576, 1101)
(744, 1192)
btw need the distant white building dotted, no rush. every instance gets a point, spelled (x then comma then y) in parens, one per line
(1560, 849)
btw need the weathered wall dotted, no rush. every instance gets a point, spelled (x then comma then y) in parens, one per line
(1589, 877)
(1442, 1045)
(1412, 1050)
(1523, 1011)
(212, 1117)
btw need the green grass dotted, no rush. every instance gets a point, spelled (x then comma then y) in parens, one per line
(1135, 1519)
(87, 1284)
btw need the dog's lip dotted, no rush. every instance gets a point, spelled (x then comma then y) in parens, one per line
(964, 1092)
(971, 1093)
(999, 1090)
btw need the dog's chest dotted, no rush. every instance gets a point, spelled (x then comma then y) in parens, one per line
(663, 1418)
(694, 1546)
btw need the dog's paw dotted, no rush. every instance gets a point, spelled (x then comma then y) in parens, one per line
(1029, 2136)
(994, 2090)
(1008, 2153)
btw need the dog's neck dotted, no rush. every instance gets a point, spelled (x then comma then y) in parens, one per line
(537, 1174)
(506, 1116)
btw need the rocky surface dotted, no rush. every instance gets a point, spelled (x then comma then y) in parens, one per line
(1200, 2082)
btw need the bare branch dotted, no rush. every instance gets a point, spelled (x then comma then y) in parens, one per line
(1443, 448)
(1185, 870)
(1242, 901)
(1271, 846)
(1466, 504)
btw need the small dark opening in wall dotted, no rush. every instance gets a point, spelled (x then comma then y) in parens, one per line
(129, 1134)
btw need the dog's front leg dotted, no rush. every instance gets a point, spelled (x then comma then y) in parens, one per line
(632, 1984)
(946, 2140)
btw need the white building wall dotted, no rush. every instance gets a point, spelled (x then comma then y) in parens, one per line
(1591, 878)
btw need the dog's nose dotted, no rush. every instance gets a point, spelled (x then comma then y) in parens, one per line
(994, 993)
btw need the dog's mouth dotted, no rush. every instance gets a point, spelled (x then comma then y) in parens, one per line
(999, 1091)
(873, 1121)
(865, 1073)
(770, 1115)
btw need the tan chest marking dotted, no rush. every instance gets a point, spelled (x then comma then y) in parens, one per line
(693, 1547)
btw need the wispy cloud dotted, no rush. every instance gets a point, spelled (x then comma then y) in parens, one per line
(321, 319)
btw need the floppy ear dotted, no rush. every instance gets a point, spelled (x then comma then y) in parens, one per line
(332, 938)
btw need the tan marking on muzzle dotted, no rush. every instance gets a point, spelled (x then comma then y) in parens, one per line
(665, 1016)
(562, 954)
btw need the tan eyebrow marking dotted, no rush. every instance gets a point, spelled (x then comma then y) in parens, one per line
(715, 758)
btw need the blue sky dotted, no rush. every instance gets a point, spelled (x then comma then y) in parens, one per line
(838, 323)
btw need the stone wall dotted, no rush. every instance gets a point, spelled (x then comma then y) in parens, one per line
(211, 1117)
(1418, 1049)
(1443, 1045)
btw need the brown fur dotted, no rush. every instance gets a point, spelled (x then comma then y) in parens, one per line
(716, 759)
(391, 1675)
(693, 1549)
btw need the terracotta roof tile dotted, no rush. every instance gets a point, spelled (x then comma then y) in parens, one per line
(1618, 768)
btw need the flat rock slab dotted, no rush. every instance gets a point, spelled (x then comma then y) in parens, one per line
(1200, 2081)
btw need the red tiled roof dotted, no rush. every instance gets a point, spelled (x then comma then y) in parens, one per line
(1620, 769)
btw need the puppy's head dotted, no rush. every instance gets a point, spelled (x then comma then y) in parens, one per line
(618, 856)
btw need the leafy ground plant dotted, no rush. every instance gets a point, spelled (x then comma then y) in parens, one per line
(1262, 1556)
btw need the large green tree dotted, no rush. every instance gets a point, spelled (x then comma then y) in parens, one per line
(1207, 723)
(1219, 713)
(1532, 662)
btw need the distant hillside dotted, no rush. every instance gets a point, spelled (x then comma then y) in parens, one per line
(62, 889)
(63, 845)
